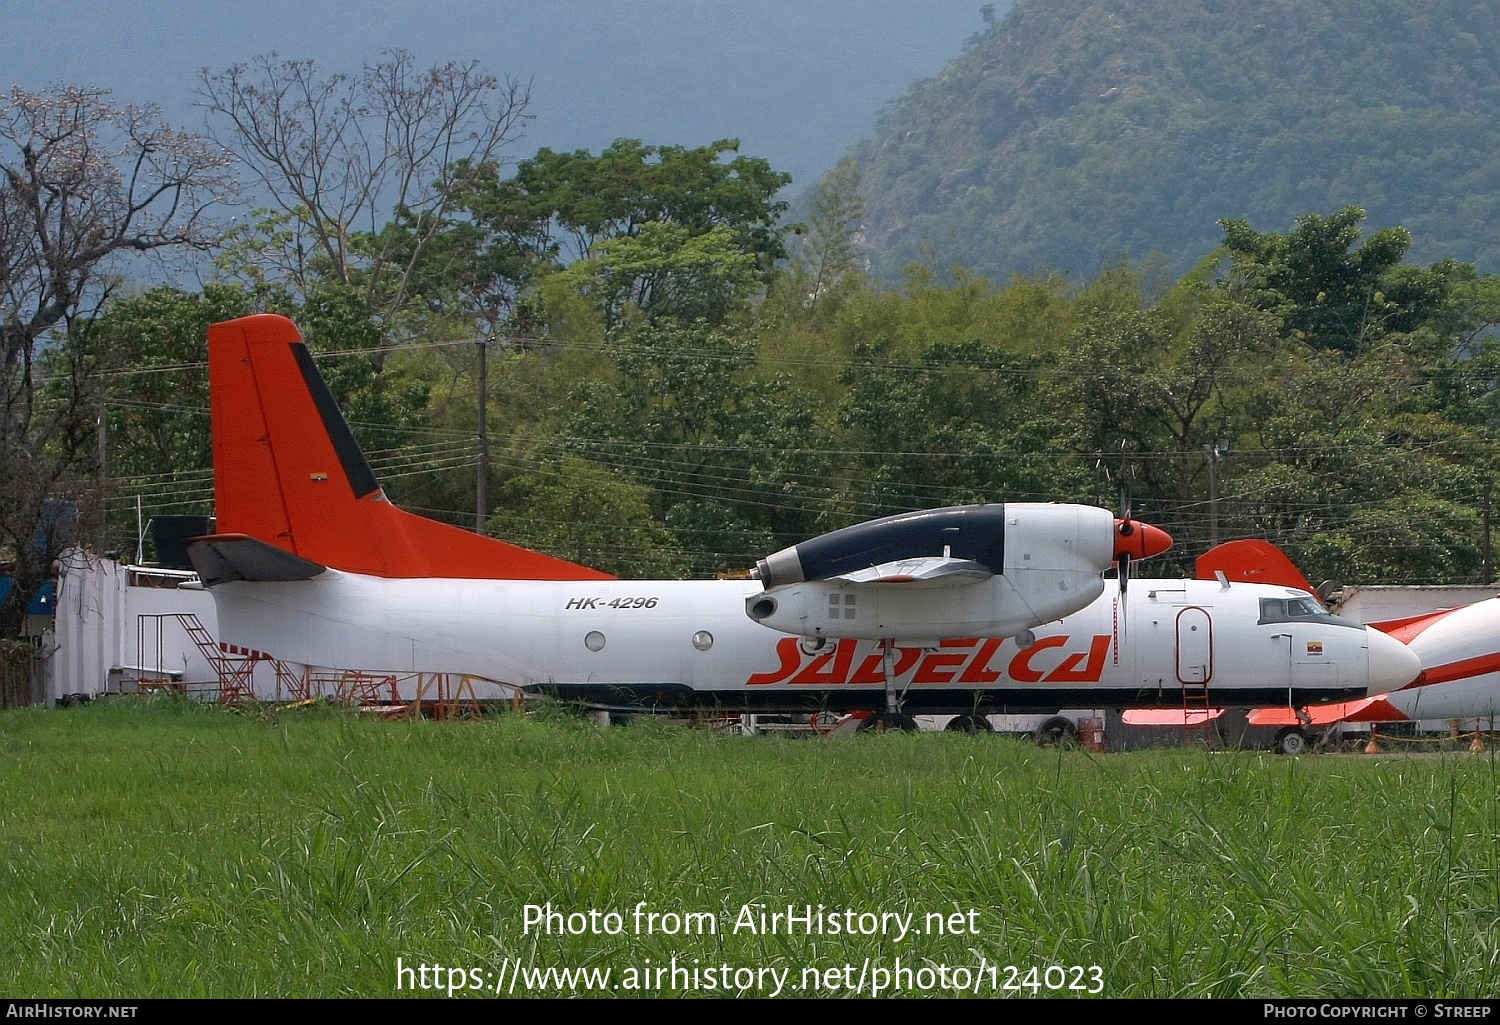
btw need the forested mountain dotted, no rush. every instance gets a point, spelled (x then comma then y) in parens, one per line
(795, 80)
(1077, 130)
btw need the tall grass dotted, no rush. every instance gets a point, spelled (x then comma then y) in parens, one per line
(163, 849)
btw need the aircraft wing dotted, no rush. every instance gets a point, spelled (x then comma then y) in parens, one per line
(220, 558)
(1406, 629)
(1316, 715)
(1174, 717)
(931, 571)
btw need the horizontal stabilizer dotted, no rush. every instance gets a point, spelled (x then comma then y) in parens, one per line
(934, 571)
(220, 558)
(1375, 710)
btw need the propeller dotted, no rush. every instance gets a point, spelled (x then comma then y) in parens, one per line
(1124, 530)
(1134, 540)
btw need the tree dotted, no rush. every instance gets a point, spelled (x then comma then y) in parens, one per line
(961, 423)
(1330, 294)
(580, 512)
(84, 183)
(630, 184)
(361, 170)
(1370, 438)
(828, 262)
(1352, 484)
(664, 272)
(670, 231)
(157, 432)
(685, 414)
(1152, 387)
(483, 268)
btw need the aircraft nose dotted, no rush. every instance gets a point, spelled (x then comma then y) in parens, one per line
(1392, 664)
(1139, 540)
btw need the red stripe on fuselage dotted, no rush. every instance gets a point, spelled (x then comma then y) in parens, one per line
(1463, 669)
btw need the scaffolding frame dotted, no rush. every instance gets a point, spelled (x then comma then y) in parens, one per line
(442, 695)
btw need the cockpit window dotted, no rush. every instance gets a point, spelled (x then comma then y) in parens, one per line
(1279, 610)
(1298, 610)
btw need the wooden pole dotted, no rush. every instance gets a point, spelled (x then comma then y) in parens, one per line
(480, 512)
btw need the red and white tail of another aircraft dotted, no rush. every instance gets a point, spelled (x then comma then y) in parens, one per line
(1459, 650)
(960, 610)
(1460, 653)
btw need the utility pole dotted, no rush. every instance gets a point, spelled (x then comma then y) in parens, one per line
(102, 541)
(484, 436)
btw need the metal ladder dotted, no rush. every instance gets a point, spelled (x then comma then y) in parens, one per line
(236, 673)
(1195, 701)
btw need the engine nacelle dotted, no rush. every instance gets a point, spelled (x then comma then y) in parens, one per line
(958, 572)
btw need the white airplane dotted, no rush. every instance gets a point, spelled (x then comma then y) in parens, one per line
(966, 609)
(1458, 649)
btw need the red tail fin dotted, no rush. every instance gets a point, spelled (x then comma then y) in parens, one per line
(1251, 562)
(288, 471)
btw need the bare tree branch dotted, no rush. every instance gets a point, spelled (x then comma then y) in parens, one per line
(82, 181)
(342, 157)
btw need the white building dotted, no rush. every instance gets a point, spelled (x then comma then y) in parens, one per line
(119, 629)
(1380, 603)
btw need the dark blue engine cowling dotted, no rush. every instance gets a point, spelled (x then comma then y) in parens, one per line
(972, 532)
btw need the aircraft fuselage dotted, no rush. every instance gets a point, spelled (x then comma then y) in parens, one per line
(1460, 656)
(676, 644)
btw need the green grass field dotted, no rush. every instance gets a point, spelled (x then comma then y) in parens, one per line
(162, 849)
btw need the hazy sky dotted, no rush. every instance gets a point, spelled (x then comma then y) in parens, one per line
(796, 80)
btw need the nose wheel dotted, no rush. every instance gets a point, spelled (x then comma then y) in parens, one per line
(1292, 741)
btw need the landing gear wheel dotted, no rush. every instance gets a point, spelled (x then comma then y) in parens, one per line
(1058, 731)
(969, 724)
(884, 721)
(1292, 741)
